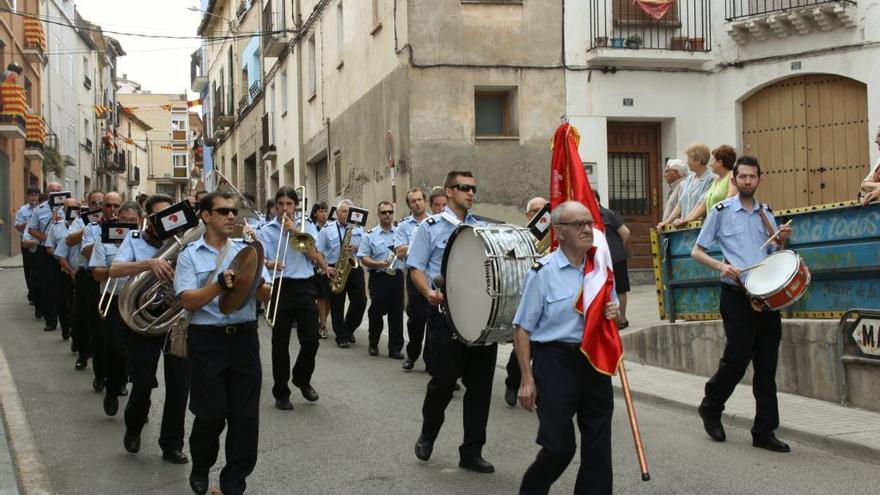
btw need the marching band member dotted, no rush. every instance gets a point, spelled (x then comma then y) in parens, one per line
(224, 351)
(64, 274)
(437, 200)
(554, 371)
(27, 256)
(136, 255)
(739, 226)
(451, 358)
(37, 230)
(386, 289)
(114, 330)
(85, 311)
(91, 236)
(416, 305)
(318, 219)
(296, 300)
(329, 241)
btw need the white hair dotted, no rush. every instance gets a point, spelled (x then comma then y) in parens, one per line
(534, 200)
(344, 202)
(679, 166)
(562, 208)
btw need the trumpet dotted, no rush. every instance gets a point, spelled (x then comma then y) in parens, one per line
(390, 270)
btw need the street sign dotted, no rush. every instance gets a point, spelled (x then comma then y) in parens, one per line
(866, 333)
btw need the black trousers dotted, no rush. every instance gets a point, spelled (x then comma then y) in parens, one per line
(27, 261)
(225, 381)
(346, 322)
(476, 367)
(296, 305)
(386, 298)
(514, 375)
(568, 386)
(143, 362)
(751, 337)
(85, 313)
(416, 321)
(49, 287)
(115, 348)
(66, 298)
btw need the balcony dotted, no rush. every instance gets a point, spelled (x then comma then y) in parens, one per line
(197, 72)
(88, 145)
(36, 137)
(274, 42)
(255, 89)
(34, 42)
(268, 149)
(242, 9)
(761, 21)
(621, 33)
(243, 105)
(180, 173)
(136, 179)
(87, 83)
(178, 136)
(13, 109)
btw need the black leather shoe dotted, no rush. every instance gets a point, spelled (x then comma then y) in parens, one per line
(175, 457)
(131, 442)
(407, 365)
(456, 388)
(198, 483)
(65, 333)
(351, 340)
(111, 403)
(81, 364)
(343, 345)
(374, 351)
(477, 464)
(73, 347)
(283, 404)
(424, 448)
(395, 355)
(123, 391)
(37, 313)
(98, 384)
(510, 396)
(50, 329)
(770, 442)
(712, 426)
(308, 392)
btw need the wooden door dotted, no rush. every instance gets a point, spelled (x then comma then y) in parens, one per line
(810, 134)
(633, 183)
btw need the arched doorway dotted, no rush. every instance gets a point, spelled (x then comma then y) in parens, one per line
(810, 134)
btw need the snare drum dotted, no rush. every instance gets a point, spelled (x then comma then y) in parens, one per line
(483, 269)
(779, 281)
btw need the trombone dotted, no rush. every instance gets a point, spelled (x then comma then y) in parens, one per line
(106, 299)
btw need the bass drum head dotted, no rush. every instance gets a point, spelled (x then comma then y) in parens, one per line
(774, 273)
(467, 301)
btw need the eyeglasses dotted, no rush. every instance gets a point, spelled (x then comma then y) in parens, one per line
(386, 212)
(578, 224)
(225, 211)
(111, 205)
(465, 188)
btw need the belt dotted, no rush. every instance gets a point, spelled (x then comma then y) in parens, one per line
(227, 329)
(567, 346)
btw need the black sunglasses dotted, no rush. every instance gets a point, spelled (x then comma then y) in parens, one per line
(386, 212)
(465, 188)
(111, 205)
(225, 211)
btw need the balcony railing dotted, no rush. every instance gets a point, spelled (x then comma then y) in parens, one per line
(737, 9)
(686, 26)
(87, 83)
(268, 127)
(198, 74)
(274, 23)
(255, 89)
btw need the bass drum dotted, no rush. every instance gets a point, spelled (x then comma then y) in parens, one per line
(484, 268)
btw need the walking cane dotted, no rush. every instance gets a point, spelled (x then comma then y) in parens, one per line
(633, 422)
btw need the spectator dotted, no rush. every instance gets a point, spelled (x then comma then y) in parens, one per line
(269, 211)
(675, 173)
(695, 186)
(723, 187)
(870, 189)
(618, 235)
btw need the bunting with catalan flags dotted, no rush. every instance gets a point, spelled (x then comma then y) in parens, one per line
(166, 106)
(194, 103)
(102, 111)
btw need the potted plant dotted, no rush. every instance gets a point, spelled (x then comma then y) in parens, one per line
(633, 41)
(696, 44)
(601, 41)
(616, 42)
(678, 43)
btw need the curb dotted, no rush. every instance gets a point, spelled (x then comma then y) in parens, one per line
(831, 443)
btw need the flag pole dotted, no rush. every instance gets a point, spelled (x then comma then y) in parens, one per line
(633, 422)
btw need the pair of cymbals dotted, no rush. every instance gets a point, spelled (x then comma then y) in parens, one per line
(248, 268)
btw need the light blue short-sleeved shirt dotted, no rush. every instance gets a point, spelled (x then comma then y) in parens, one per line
(56, 234)
(75, 252)
(429, 241)
(195, 263)
(40, 219)
(103, 255)
(23, 215)
(693, 191)
(738, 232)
(135, 248)
(379, 246)
(296, 264)
(92, 235)
(405, 230)
(330, 238)
(71, 254)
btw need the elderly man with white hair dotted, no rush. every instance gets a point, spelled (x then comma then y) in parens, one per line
(675, 173)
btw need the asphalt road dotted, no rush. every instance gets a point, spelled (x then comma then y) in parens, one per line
(359, 437)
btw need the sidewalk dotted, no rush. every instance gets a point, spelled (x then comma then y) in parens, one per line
(11, 262)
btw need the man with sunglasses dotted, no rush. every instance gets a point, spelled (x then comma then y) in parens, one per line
(224, 350)
(137, 254)
(386, 290)
(295, 297)
(416, 305)
(452, 359)
(328, 243)
(85, 305)
(45, 267)
(554, 371)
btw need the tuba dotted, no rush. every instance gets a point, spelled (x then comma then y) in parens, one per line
(345, 264)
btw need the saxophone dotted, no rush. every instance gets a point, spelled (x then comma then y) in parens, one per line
(345, 264)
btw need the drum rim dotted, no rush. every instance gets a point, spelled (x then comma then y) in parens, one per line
(446, 314)
(787, 281)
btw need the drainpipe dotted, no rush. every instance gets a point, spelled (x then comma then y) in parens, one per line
(298, 163)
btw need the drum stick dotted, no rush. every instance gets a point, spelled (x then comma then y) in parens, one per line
(751, 267)
(633, 422)
(786, 224)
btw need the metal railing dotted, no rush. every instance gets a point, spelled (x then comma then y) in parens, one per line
(272, 21)
(268, 128)
(737, 9)
(255, 89)
(686, 26)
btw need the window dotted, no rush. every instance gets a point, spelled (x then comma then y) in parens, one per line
(494, 113)
(340, 34)
(86, 69)
(270, 98)
(313, 70)
(2, 54)
(70, 69)
(167, 189)
(57, 50)
(377, 16)
(178, 123)
(178, 164)
(28, 95)
(283, 92)
(86, 127)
